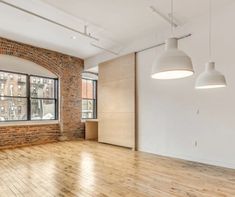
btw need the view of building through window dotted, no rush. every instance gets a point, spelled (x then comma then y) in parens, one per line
(25, 97)
(89, 98)
(42, 92)
(13, 93)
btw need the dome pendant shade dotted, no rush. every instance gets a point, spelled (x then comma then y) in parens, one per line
(210, 78)
(172, 63)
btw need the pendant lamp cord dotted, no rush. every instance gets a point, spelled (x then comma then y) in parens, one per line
(172, 34)
(210, 29)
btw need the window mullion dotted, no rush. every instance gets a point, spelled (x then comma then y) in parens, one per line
(57, 99)
(28, 98)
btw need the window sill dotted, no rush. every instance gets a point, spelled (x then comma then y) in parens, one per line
(26, 123)
(90, 119)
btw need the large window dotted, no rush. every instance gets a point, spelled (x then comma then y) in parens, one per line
(13, 96)
(43, 99)
(27, 97)
(89, 98)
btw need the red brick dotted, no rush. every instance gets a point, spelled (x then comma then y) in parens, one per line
(69, 71)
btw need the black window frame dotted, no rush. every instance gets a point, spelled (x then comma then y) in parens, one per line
(55, 99)
(94, 84)
(28, 96)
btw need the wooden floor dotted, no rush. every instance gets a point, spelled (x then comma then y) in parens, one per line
(87, 169)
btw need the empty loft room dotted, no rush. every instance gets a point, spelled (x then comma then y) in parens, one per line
(117, 98)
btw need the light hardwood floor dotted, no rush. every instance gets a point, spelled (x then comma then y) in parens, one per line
(83, 168)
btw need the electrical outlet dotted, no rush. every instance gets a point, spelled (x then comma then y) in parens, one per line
(198, 111)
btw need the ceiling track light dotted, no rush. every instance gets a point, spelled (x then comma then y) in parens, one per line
(166, 18)
(104, 49)
(52, 21)
(172, 63)
(210, 78)
(83, 33)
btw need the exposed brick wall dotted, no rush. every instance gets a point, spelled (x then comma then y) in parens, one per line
(16, 136)
(69, 71)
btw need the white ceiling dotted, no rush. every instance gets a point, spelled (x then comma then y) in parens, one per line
(115, 22)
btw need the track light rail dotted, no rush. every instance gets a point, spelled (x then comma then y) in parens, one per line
(102, 48)
(52, 21)
(160, 44)
(167, 19)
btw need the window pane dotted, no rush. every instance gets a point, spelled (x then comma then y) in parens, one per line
(94, 89)
(87, 115)
(90, 105)
(87, 89)
(12, 84)
(84, 88)
(87, 108)
(13, 109)
(42, 109)
(89, 86)
(42, 87)
(84, 115)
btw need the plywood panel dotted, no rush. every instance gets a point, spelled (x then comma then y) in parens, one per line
(117, 96)
(117, 69)
(116, 101)
(117, 129)
(91, 130)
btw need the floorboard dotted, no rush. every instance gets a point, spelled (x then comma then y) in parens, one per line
(90, 169)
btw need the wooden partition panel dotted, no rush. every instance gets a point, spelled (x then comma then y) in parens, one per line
(116, 101)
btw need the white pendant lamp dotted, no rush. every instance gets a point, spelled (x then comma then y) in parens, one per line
(172, 63)
(210, 78)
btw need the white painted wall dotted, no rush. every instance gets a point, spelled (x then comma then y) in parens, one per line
(15, 64)
(168, 120)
